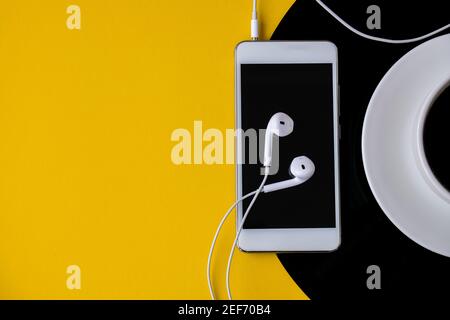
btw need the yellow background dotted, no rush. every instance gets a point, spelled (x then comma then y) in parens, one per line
(85, 171)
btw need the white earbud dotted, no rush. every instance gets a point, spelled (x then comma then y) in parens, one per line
(302, 168)
(281, 125)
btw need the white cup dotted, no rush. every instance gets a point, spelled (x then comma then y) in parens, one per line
(421, 159)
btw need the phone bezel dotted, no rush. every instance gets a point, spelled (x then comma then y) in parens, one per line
(287, 239)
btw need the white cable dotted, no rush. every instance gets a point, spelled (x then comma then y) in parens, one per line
(364, 35)
(244, 217)
(254, 24)
(213, 243)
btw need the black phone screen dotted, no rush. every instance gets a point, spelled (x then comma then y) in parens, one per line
(305, 93)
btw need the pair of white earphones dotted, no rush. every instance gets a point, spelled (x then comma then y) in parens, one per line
(301, 169)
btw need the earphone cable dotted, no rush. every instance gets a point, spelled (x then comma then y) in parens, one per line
(373, 38)
(244, 217)
(254, 24)
(213, 243)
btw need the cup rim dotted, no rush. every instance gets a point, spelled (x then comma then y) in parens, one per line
(423, 164)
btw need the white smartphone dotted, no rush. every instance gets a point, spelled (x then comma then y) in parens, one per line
(300, 79)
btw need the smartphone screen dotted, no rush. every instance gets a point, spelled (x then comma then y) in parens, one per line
(305, 93)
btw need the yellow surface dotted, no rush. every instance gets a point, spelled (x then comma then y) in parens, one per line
(85, 171)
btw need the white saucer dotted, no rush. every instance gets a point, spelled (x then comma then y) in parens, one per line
(398, 178)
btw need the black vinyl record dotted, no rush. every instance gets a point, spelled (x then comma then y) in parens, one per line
(407, 270)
